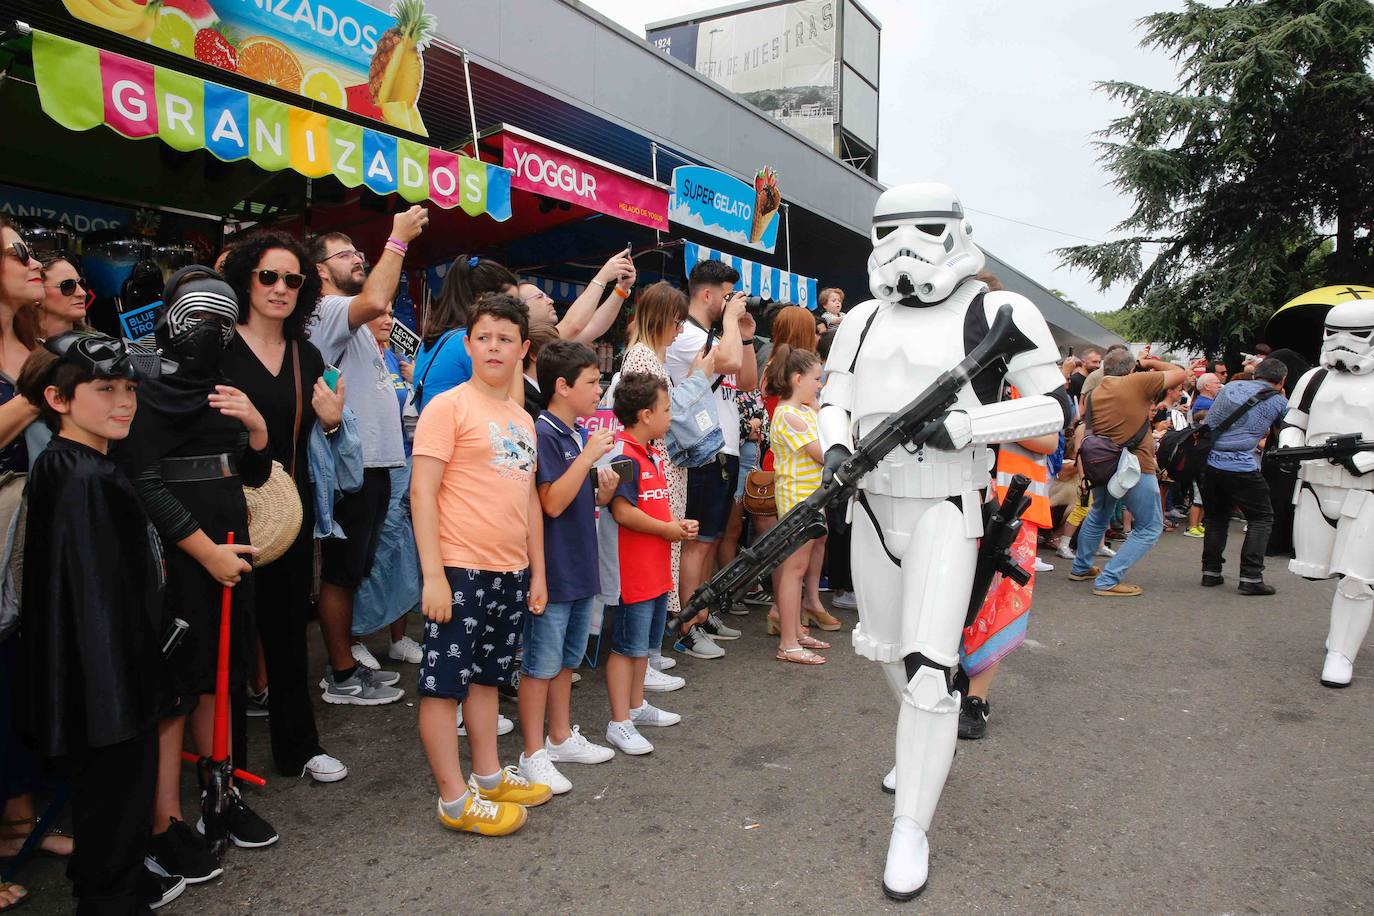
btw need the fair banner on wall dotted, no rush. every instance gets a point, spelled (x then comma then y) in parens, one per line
(553, 171)
(721, 205)
(344, 53)
(82, 215)
(757, 279)
(81, 87)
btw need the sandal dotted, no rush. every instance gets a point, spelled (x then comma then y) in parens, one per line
(820, 617)
(800, 656)
(9, 889)
(806, 642)
(774, 629)
(14, 831)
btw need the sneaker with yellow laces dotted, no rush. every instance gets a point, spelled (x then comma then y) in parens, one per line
(484, 817)
(513, 788)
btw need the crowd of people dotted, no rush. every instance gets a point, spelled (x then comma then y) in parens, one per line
(471, 487)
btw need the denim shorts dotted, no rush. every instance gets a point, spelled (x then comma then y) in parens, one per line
(748, 461)
(557, 638)
(479, 642)
(633, 631)
(711, 493)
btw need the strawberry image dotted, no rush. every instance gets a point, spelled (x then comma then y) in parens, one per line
(360, 101)
(212, 47)
(200, 12)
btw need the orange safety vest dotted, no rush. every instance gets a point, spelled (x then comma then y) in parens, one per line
(1012, 459)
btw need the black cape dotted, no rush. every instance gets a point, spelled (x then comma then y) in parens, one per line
(91, 673)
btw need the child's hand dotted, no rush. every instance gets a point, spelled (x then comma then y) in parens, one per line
(226, 563)
(606, 481)
(539, 595)
(599, 443)
(691, 526)
(437, 600)
(675, 530)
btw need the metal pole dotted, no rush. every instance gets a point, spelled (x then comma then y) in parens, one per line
(653, 155)
(472, 109)
(787, 226)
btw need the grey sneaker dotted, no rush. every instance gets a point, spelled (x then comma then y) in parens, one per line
(717, 629)
(361, 689)
(380, 678)
(698, 645)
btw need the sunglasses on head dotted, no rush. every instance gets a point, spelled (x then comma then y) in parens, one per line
(270, 278)
(68, 287)
(21, 253)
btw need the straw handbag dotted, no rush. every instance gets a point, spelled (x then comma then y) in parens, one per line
(274, 509)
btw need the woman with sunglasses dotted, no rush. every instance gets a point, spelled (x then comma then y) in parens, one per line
(21, 293)
(271, 362)
(65, 297)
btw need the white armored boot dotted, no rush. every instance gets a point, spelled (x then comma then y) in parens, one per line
(1351, 610)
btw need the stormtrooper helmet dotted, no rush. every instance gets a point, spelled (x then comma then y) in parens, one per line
(1348, 342)
(922, 245)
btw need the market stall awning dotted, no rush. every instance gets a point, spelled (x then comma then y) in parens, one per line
(82, 87)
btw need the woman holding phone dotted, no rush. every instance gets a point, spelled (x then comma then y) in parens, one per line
(270, 360)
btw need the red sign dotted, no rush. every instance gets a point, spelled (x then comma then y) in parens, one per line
(563, 175)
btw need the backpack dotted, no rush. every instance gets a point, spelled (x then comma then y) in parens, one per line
(1100, 456)
(1183, 453)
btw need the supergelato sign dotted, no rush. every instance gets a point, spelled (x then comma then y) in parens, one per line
(717, 204)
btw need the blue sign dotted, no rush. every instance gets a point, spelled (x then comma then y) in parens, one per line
(717, 204)
(82, 215)
(139, 323)
(757, 279)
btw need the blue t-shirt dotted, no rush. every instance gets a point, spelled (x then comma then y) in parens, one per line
(1237, 449)
(442, 366)
(570, 556)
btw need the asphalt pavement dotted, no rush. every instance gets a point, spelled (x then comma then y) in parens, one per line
(1172, 753)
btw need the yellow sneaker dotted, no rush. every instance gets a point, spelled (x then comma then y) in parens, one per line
(515, 789)
(488, 818)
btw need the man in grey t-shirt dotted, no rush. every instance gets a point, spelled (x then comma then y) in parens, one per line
(340, 330)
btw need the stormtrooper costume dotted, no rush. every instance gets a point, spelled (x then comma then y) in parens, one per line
(917, 517)
(1333, 519)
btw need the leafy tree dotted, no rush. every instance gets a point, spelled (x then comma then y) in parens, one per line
(1244, 175)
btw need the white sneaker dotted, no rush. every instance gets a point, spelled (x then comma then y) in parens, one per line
(1338, 670)
(1063, 550)
(407, 650)
(1105, 551)
(662, 662)
(576, 678)
(1042, 566)
(362, 656)
(504, 726)
(577, 749)
(908, 860)
(647, 714)
(323, 768)
(845, 601)
(540, 769)
(627, 738)
(656, 681)
(890, 782)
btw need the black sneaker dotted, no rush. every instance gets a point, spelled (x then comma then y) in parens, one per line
(257, 705)
(973, 718)
(181, 851)
(1256, 588)
(1212, 580)
(159, 890)
(246, 829)
(759, 597)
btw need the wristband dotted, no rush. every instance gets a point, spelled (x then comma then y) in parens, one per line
(329, 433)
(620, 292)
(400, 252)
(597, 283)
(747, 343)
(398, 243)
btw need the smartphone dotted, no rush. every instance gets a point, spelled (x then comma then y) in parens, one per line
(624, 467)
(331, 377)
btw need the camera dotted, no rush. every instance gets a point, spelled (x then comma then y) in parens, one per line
(752, 304)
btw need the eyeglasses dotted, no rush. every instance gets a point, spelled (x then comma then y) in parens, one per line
(22, 253)
(342, 254)
(68, 287)
(270, 278)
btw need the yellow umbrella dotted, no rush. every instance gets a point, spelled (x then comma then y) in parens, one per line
(1297, 323)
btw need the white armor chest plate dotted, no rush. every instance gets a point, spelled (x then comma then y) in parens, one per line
(905, 350)
(1344, 404)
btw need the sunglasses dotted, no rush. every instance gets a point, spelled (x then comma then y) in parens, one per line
(69, 287)
(270, 278)
(22, 253)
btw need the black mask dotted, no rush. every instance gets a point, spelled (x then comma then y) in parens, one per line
(196, 350)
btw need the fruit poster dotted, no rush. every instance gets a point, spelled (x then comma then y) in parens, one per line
(343, 53)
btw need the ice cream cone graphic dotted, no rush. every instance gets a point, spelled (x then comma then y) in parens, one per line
(767, 200)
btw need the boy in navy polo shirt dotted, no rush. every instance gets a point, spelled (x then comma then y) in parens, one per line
(646, 532)
(555, 640)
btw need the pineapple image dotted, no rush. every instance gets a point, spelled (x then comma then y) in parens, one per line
(398, 69)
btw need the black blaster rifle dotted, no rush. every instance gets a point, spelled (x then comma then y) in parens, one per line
(1335, 449)
(911, 427)
(1000, 529)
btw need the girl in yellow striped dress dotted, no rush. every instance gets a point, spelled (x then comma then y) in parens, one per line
(795, 377)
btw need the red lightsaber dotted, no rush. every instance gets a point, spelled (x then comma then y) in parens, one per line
(220, 748)
(242, 775)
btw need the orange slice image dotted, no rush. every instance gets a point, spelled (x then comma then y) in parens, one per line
(269, 61)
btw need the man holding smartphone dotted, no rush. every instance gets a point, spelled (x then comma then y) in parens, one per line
(585, 321)
(711, 487)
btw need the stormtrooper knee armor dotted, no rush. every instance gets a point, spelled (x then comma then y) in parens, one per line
(1333, 525)
(917, 516)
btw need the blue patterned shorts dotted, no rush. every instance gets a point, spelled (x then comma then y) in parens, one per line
(479, 642)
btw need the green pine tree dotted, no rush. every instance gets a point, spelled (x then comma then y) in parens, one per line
(1245, 175)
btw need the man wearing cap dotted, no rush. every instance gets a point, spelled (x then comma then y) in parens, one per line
(1121, 405)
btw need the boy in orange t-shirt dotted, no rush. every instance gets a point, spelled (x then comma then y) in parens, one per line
(479, 532)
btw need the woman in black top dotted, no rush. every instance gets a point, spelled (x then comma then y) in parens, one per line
(270, 360)
(194, 444)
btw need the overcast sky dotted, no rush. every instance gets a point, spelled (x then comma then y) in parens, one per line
(996, 98)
